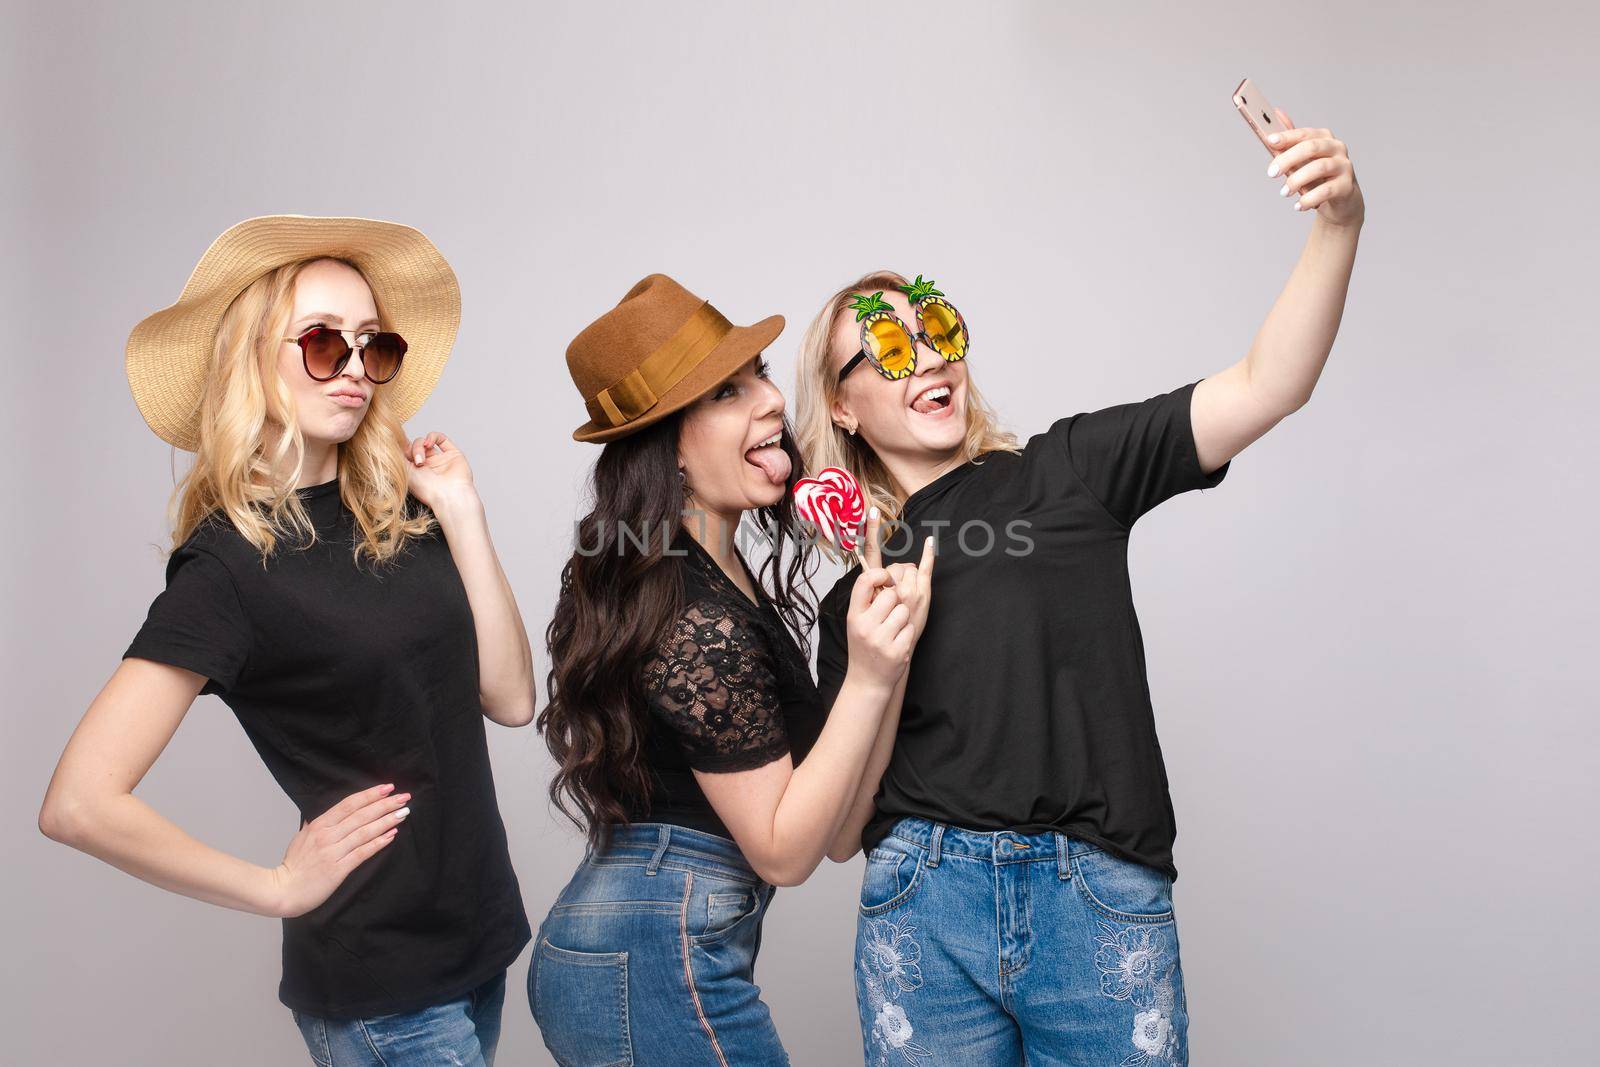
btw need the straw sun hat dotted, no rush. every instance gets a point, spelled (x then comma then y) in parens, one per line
(170, 352)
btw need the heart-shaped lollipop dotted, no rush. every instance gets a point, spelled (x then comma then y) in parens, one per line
(832, 502)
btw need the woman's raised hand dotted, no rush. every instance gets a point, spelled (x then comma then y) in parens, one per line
(435, 469)
(879, 628)
(335, 843)
(1319, 172)
(914, 584)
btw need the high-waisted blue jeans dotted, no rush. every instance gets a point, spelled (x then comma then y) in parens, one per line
(993, 949)
(647, 958)
(463, 1031)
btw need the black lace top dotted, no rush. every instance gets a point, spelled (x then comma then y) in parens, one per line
(728, 688)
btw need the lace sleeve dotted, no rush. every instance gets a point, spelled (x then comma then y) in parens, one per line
(712, 682)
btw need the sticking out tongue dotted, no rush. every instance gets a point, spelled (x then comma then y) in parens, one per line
(773, 461)
(924, 405)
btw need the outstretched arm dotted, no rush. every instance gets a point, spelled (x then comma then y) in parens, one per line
(1237, 406)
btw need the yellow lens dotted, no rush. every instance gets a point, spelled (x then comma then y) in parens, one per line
(944, 329)
(889, 346)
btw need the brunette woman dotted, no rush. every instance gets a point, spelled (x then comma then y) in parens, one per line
(689, 739)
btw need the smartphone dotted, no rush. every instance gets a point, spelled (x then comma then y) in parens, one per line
(1258, 113)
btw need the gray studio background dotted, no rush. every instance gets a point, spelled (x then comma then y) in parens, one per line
(1370, 649)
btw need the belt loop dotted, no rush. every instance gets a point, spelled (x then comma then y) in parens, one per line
(936, 844)
(1063, 864)
(661, 850)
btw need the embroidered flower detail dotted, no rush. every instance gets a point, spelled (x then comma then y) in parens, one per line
(893, 955)
(890, 964)
(1155, 1038)
(1133, 967)
(1128, 962)
(893, 1025)
(1151, 1031)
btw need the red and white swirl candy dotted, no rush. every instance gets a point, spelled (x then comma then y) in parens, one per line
(832, 502)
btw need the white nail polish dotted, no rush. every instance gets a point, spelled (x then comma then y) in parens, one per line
(1272, 170)
(402, 813)
(1285, 190)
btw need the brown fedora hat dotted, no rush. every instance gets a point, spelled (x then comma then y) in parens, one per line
(659, 350)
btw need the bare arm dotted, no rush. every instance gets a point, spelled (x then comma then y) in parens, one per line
(914, 585)
(786, 818)
(847, 842)
(1237, 406)
(506, 686)
(90, 805)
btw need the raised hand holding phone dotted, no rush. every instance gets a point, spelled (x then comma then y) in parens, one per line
(1315, 165)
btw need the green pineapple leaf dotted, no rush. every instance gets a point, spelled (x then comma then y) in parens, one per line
(919, 289)
(870, 305)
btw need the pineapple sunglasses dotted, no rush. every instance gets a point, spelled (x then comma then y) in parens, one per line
(891, 346)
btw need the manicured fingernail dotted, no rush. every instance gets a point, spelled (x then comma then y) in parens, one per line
(1272, 170)
(402, 813)
(388, 788)
(873, 513)
(1274, 138)
(1298, 206)
(1285, 190)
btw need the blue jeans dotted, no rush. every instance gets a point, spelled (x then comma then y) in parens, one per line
(647, 958)
(1003, 948)
(464, 1031)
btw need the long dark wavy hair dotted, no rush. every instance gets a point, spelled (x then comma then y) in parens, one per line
(618, 602)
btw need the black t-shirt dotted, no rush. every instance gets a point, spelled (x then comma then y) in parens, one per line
(728, 690)
(345, 677)
(1027, 705)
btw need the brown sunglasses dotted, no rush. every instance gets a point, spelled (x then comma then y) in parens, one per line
(325, 353)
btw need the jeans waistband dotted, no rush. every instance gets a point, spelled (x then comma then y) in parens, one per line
(995, 846)
(654, 842)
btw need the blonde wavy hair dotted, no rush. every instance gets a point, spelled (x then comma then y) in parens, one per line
(824, 444)
(249, 429)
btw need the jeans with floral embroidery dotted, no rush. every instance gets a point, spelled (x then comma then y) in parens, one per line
(1004, 948)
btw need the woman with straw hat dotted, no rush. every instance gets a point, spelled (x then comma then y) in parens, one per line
(689, 740)
(336, 585)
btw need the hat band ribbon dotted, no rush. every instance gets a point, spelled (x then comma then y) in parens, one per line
(638, 392)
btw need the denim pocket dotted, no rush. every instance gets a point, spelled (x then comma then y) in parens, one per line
(1122, 889)
(315, 1031)
(580, 1001)
(725, 910)
(890, 878)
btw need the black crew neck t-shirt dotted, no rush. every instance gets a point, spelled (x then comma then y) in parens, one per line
(346, 676)
(1027, 705)
(728, 690)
